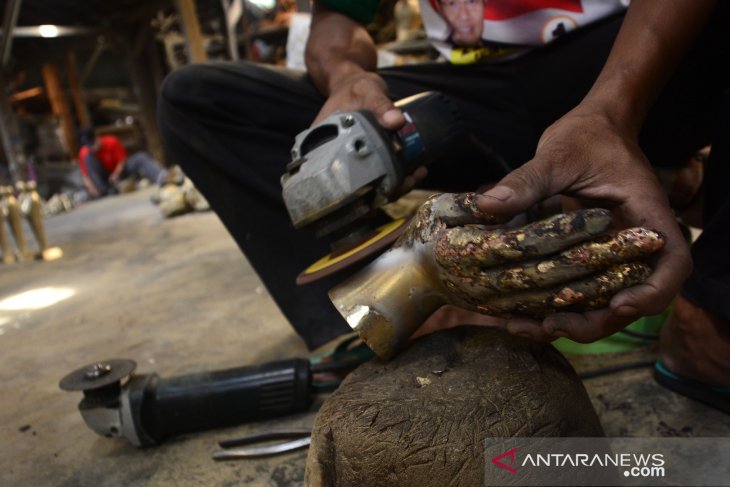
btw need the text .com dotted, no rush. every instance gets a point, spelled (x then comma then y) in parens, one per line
(645, 472)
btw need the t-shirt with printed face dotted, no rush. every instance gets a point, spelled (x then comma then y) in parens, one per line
(468, 31)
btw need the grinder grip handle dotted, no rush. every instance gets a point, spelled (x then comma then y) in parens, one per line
(205, 400)
(433, 128)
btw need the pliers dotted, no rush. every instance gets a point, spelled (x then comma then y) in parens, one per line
(299, 438)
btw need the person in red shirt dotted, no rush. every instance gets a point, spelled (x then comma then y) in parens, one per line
(104, 162)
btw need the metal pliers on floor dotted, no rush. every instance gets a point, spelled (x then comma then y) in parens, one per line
(298, 438)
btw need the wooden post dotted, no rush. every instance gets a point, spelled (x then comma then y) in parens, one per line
(59, 104)
(77, 94)
(6, 140)
(10, 138)
(91, 62)
(233, 12)
(191, 27)
(140, 56)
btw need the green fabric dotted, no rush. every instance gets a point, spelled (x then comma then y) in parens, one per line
(361, 10)
(618, 342)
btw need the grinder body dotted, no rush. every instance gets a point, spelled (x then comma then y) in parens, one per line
(348, 165)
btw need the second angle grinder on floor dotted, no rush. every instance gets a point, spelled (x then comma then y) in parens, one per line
(347, 167)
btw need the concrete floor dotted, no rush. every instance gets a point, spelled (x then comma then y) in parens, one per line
(177, 297)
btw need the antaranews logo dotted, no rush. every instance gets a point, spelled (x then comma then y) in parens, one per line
(634, 464)
(599, 462)
(540, 461)
(508, 454)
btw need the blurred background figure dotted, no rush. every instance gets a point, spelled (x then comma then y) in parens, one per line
(104, 164)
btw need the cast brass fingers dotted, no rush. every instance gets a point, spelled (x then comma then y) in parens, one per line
(469, 246)
(443, 211)
(576, 262)
(563, 263)
(593, 292)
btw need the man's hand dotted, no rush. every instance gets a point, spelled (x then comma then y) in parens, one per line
(365, 90)
(591, 156)
(593, 162)
(114, 177)
(90, 187)
(341, 60)
(368, 91)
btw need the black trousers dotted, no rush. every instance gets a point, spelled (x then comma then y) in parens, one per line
(709, 284)
(231, 126)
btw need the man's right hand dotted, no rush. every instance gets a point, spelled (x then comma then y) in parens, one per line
(365, 90)
(342, 60)
(368, 91)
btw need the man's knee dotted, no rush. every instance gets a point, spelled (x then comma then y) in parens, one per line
(183, 85)
(202, 84)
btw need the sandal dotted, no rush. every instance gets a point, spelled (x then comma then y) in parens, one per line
(716, 397)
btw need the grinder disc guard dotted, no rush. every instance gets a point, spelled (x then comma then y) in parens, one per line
(335, 261)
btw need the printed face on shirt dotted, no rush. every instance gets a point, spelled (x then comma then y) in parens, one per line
(466, 19)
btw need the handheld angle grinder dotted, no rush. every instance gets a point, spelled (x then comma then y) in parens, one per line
(146, 409)
(347, 167)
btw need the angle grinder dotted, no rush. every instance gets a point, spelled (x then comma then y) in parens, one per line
(346, 168)
(146, 409)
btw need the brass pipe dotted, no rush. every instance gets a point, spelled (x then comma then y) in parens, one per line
(389, 299)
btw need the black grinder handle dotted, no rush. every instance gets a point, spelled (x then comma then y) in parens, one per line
(434, 128)
(206, 400)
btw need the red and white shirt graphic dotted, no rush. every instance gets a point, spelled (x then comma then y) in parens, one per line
(507, 26)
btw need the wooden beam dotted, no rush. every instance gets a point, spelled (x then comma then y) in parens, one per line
(59, 104)
(191, 27)
(142, 40)
(91, 62)
(77, 93)
(25, 94)
(10, 18)
(141, 56)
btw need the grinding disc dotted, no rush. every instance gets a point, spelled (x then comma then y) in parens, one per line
(336, 261)
(98, 374)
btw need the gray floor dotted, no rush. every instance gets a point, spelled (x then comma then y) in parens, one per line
(176, 296)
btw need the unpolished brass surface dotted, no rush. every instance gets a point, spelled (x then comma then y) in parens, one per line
(452, 253)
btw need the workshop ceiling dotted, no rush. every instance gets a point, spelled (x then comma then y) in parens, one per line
(88, 13)
(118, 19)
